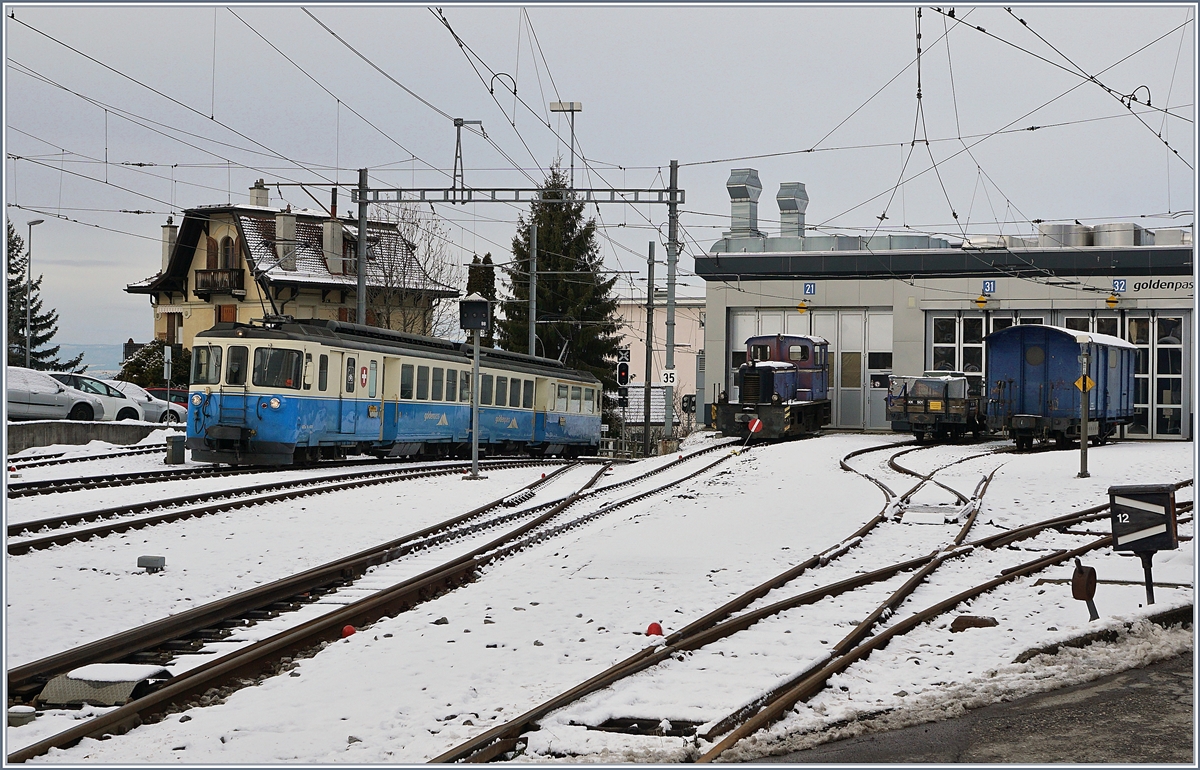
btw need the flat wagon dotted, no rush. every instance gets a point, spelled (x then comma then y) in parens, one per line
(937, 405)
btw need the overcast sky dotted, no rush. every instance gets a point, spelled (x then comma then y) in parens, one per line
(707, 85)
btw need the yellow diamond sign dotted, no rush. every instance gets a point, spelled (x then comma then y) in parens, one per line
(1085, 383)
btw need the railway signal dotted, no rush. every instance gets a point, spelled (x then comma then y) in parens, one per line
(622, 374)
(1144, 522)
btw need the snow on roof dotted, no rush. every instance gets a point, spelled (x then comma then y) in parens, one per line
(1085, 337)
(393, 262)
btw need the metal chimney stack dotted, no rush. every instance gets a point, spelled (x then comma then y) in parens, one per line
(793, 202)
(744, 188)
(285, 238)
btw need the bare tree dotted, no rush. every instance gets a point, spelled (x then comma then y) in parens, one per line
(414, 277)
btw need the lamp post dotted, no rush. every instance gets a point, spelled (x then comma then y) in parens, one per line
(29, 287)
(473, 311)
(571, 107)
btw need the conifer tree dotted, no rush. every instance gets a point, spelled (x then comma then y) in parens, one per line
(44, 323)
(481, 280)
(575, 305)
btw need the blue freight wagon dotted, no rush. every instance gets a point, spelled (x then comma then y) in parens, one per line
(1031, 384)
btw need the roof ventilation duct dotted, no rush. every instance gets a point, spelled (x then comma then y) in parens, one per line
(1119, 234)
(793, 201)
(1064, 236)
(744, 189)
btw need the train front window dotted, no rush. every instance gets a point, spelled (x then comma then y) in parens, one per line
(277, 368)
(235, 370)
(760, 352)
(206, 364)
(406, 381)
(422, 383)
(451, 382)
(797, 353)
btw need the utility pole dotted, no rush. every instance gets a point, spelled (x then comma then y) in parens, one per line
(649, 350)
(571, 107)
(29, 288)
(533, 288)
(1085, 360)
(361, 315)
(672, 258)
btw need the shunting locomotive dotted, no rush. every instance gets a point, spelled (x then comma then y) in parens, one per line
(784, 384)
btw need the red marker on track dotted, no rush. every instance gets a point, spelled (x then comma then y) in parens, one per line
(755, 425)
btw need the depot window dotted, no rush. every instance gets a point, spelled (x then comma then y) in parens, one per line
(206, 364)
(277, 368)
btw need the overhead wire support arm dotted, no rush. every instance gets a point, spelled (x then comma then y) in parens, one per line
(520, 195)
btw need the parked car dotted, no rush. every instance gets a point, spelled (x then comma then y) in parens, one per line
(179, 394)
(34, 395)
(155, 408)
(117, 405)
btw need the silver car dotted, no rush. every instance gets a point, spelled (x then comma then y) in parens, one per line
(34, 395)
(117, 406)
(156, 409)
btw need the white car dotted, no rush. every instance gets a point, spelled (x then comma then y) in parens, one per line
(117, 405)
(34, 395)
(155, 408)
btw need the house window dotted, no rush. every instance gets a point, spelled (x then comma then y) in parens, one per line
(226, 313)
(228, 256)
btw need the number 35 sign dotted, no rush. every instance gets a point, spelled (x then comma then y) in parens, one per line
(667, 377)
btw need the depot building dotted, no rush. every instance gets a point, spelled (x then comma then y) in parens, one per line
(905, 304)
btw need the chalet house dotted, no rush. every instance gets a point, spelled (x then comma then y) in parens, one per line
(230, 262)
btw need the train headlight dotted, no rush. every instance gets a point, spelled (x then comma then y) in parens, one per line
(774, 398)
(275, 403)
(197, 398)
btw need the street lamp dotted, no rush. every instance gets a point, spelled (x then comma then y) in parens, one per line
(29, 286)
(571, 107)
(473, 311)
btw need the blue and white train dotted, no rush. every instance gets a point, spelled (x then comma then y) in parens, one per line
(285, 391)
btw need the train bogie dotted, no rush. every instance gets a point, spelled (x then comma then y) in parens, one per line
(291, 391)
(1033, 378)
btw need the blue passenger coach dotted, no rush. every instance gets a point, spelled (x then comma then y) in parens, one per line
(1031, 374)
(287, 390)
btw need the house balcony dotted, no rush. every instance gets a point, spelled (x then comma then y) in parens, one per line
(216, 282)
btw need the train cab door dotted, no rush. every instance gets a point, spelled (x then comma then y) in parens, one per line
(348, 402)
(543, 401)
(389, 399)
(370, 423)
(232, 408)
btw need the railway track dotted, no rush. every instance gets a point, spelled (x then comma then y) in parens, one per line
(189, 506)
(262, 658)
(60, 458)
(867, 635)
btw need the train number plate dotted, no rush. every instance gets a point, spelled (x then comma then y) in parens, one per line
(935, 406)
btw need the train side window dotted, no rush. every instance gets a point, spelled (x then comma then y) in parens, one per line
(422, 383)
(560, 401)
(451, 381)
(323, 373)
(589, 400)
(528, 402)
(206, 364)
(438, 373)
(235, 370)
(464, 386)
(514, 393)
(501, 391)
(406, 381)
(372, 379)
(576, 399)
(349, 375)
(797, 353)
(485, 390)
(308, 371)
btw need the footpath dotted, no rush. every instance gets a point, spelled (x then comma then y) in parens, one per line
(1143, 715)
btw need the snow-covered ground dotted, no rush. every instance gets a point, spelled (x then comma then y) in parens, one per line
(537, 623)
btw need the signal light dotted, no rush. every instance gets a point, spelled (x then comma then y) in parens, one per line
(622, 374)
